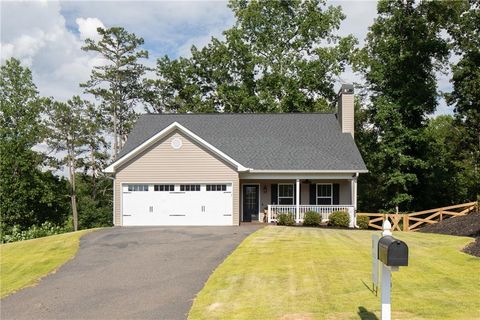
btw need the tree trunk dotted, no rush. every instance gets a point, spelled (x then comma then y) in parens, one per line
(115, 134)
(94, 173)
(73, 195)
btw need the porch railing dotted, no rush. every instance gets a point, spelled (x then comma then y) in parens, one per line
(274, 210)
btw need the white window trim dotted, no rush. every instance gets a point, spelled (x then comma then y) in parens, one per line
(278, 193)
(331, 193)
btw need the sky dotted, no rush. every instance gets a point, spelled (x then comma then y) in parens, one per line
(47, 36)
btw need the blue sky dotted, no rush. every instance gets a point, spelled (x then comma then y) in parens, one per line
(47, 35)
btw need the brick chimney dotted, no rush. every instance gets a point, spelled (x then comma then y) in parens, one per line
(346, 110)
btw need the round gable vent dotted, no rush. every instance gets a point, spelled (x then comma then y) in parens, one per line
(176, 143)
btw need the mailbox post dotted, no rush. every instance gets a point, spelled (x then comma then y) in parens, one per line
(393, 253)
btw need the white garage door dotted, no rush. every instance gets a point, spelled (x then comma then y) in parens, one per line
(177, 204)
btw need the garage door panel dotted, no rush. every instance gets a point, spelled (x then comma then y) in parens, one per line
(177, 207)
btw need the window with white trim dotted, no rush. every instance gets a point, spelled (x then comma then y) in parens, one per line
(164, 187)
(138, 187)
(189, 187)
(216, 187)
(324, 194)
(285, 193)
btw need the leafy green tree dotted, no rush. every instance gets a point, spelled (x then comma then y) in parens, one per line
(403, 51)
(28, 196)
(117, 83)
(465, 96)
(67, 137)
(280, 56)
(448, 178)
(94, 211)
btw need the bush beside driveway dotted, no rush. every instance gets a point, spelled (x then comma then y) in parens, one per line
(311, 273)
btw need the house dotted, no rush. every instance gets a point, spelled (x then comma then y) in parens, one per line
(225, 169)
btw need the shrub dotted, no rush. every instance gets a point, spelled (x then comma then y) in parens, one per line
(362, 222)
(285, 219)
(339, 219)
(312, 219)
(45, 229)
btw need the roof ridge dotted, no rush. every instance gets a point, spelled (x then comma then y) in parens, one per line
(235, 113)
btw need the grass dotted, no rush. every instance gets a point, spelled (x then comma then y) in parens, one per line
(310, 273)
(23, 263)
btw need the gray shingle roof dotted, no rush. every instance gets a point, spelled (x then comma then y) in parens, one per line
(285, 141)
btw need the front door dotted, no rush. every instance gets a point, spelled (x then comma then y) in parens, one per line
(250, 202)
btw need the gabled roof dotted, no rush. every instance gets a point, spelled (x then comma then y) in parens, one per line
(262, 142)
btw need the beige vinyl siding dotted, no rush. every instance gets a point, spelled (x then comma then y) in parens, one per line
(162, 164)
(346, 113)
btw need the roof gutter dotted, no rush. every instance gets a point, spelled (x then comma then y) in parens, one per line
(356, 172)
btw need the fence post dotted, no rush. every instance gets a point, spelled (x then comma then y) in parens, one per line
(269, 214)
(406, 222)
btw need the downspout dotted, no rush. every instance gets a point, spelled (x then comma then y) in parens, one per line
(113, 207)
(354, 198)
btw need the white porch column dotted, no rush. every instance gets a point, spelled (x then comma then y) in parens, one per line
(297, 196)
(353, 189)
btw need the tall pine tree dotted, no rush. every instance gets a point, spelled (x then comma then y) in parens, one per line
(117, 83)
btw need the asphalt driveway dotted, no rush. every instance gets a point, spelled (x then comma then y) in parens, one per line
(129, 273)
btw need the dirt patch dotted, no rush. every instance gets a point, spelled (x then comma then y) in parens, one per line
(466, 226)
(214, 306)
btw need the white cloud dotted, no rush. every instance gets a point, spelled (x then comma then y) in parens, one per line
(36, 34)
(88, 28)
(165, 25)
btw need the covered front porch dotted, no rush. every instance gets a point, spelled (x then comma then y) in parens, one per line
(262, 200)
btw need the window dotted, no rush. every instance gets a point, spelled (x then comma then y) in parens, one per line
(216, 187)
(324, 194)
(189, 187)
(164, 187)
(285, 193)
(138, 187)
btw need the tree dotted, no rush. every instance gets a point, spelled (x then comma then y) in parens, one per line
(448, 179)
(94, 212)
(67, 135)
(404, 48)
(27, 195)
(117, 83)
(465, 96)
(280, 56)
(96, 145)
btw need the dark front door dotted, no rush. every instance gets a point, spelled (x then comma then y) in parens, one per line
(250, 202)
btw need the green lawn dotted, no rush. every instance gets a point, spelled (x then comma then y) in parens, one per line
(23, 263)
(306, 273)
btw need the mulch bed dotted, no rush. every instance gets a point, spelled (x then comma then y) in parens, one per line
(467, 226)
(473, 248)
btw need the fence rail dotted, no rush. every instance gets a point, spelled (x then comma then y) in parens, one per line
(417, 220)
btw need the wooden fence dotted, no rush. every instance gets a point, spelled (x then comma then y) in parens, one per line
(417, 220)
